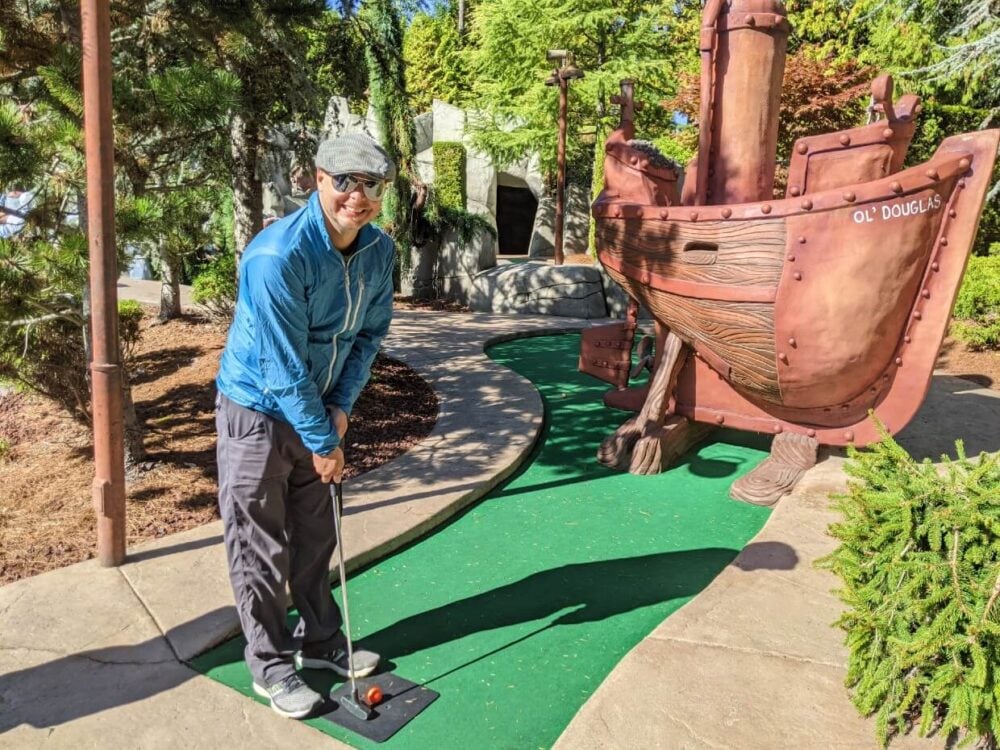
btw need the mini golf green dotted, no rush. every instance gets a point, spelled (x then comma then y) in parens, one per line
(519, 608)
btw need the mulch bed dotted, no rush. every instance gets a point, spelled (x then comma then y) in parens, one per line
(46, 466)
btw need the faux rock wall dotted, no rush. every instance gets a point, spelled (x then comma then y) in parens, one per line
(467, 271)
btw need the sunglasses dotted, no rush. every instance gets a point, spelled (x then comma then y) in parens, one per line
(348, 183)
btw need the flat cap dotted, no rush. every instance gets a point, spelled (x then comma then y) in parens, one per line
(355, 153)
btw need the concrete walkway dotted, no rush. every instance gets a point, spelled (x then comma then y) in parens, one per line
(93, 657)
(148, 292)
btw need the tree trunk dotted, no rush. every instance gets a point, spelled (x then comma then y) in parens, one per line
(247, 197)
(461, 17)
(170, 288)
(135, 451)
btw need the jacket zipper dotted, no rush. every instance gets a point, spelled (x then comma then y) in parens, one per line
(361, 296)
(348, 314)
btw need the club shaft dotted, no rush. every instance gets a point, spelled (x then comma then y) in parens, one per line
(337, 504)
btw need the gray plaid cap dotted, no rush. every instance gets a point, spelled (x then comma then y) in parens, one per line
(355, 153)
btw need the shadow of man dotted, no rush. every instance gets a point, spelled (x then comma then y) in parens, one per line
(594, 590)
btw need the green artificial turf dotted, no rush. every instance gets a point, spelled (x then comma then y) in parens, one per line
(518, 609)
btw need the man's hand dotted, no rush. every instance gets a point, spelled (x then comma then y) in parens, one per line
(330, 467)
(340, 421)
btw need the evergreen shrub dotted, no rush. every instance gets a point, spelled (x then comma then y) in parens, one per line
(919, 557)
(215, 287)
(449, 174)
(129, 318)
(977, 309)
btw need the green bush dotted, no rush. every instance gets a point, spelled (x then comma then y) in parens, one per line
(449, 174)
(919, 557)
(977, 310)
(129, 317)
(215, 287)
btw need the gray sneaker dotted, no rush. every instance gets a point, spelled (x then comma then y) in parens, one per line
(364, 663)
(290, 697)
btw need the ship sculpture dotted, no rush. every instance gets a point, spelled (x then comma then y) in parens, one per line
(797, 316)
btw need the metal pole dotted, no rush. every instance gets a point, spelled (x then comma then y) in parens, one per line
(561, 173)
(109, 451)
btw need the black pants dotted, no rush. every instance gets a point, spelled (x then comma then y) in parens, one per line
(278, 525)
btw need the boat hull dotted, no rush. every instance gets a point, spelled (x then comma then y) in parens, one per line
(808, 313)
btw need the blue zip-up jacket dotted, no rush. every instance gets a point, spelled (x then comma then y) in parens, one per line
(308, 323)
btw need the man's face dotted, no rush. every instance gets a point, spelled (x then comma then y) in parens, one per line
(346, 212)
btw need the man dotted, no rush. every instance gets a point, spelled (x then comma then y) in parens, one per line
(315, 300)
(14, 207)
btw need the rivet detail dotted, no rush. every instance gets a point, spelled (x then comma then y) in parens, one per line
(726, 213)
(797, 276)
(792, 343)
(802, 148)
(845, 140)
(896, 187)
(795, 191)
(932, 173)
(765, 209)
(887, 133)
(850, 197)
(807, 205)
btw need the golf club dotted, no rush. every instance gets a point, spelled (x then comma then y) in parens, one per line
(352, 701)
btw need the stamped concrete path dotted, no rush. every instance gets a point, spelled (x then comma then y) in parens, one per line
(93, 657)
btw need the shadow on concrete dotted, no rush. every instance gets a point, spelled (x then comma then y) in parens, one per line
(89, 682)
(173, 549)
(955, 408)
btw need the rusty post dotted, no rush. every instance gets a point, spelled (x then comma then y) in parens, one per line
(561, 77)
(561, 172)
(109, 452)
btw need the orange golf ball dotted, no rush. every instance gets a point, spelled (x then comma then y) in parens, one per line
(373, 696)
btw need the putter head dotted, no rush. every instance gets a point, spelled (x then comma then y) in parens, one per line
(402, 701)
(352, 703)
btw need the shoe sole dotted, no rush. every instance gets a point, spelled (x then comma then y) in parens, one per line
(304, 662)
(280, 711)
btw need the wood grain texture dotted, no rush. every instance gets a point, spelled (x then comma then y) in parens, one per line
(740, 334)
(745, 254)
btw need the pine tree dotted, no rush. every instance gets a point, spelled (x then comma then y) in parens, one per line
(919, 558)
(508, 41)
(382, 29)
(435, 66)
